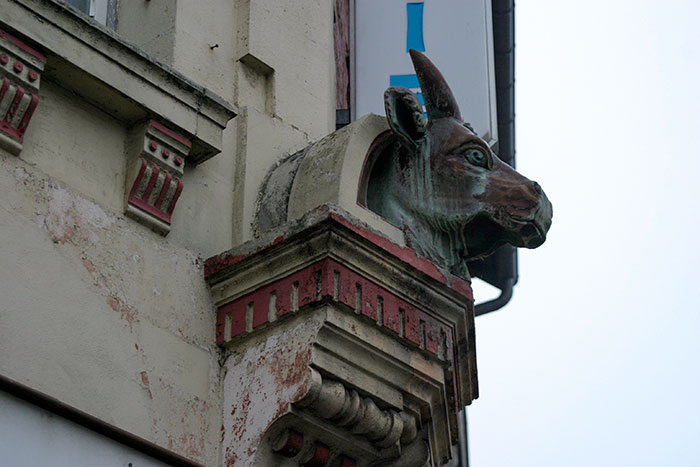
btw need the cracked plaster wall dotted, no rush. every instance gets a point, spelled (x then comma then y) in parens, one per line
(97, 310)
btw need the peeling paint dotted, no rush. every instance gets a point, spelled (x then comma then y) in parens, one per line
(72, 218)
(263, 378)
(146, 384)
(130, 317)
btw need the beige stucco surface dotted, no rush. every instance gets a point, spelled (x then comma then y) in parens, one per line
(105, 315)
(97, 310)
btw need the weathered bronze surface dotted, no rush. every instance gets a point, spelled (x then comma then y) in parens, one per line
(441, 183)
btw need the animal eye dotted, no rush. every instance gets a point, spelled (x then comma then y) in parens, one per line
(477, 156)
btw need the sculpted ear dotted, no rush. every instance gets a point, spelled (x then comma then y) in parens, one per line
(405, 115)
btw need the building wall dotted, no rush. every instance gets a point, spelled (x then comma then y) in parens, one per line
(97, 310)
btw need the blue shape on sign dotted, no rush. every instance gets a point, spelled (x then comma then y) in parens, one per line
(414, 34)
(406, 81)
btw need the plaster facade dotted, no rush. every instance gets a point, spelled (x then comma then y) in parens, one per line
(98, 310)
(316, 339)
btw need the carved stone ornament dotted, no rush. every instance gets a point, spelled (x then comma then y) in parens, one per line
(341, 348)
(20, 76)
(443, 191)
(453, 197)
(156, 164)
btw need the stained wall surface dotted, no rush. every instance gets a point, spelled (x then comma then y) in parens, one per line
(99, 311)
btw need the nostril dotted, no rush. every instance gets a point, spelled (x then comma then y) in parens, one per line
(537, 188)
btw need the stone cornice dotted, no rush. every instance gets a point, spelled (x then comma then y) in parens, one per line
(95, 63)
(331, 400)
(330, 256)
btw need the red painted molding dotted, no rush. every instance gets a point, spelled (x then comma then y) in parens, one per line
(225, 260)
(220, 262)
(177, 137)
(22, 127)
(329, 280)
(5, 86)
(293, 443)
(157, 210)
(6, 122)
(5, 35)
(321, 457)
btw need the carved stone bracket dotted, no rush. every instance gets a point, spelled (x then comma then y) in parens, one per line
(348, 340)
(157, 160)
(330, 280)
(290, 444)
(20, 76)
(345, 408)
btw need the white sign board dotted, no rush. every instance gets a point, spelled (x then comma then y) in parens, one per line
(456, 35)
(33, 437)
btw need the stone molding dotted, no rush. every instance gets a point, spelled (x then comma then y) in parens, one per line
(290, 443)
(94, 62)
(332, 281)
(157, 160)
(345, 408)
(283, 272)
(20, 76)
(358, 346)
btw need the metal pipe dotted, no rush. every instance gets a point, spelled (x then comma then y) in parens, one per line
(495, 304)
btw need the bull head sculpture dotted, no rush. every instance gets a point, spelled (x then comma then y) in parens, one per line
(453, 197)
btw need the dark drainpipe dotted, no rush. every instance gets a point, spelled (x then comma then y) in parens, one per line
(501, 268)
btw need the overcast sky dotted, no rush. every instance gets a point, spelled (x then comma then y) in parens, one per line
(595, 360)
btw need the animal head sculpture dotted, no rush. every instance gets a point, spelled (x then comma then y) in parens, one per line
(441, 183)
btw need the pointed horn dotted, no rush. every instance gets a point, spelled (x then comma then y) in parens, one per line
(439, 100)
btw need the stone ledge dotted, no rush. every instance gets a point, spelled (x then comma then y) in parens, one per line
(329, 256)
(92, 61)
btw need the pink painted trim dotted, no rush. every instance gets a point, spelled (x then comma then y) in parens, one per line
(328, 279)
(22, 127)
(171, 133)
(321, 457)
(403, 253)
(142, 203)
(15, 105)
(178, 192)
(22, 46)
(462, 287)
(10, 131)
(157, 213)
(163, 191)
(134, 187)
(151, 183)
(4, 88)
(294, 444)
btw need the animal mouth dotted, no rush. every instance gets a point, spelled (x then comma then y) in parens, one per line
(532, 234)
(483, 234)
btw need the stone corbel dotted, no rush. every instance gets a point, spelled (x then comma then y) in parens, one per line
(20, 76)
(360, 416)
(360, 350)
(156, 157)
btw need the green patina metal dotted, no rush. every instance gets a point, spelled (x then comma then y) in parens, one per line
(441, 183)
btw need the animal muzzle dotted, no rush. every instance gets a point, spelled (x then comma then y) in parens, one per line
(533, 231)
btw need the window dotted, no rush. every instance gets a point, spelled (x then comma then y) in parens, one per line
(104, 11)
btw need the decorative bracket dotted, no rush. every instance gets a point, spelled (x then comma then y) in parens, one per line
(346, 338)
(156, 161)
(20, 75)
